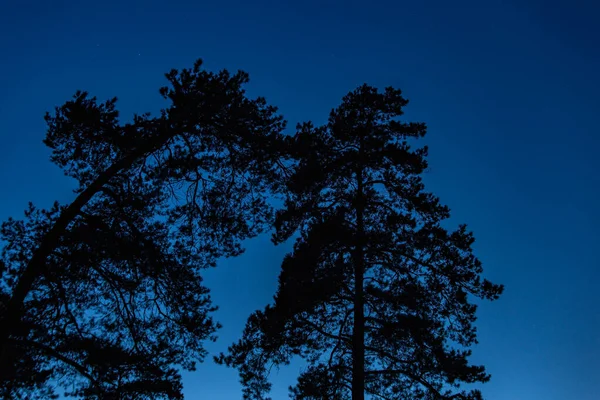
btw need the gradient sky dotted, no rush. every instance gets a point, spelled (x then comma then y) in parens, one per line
(508, 88)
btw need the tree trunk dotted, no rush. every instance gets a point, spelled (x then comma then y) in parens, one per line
(14, 307)
(358, 334)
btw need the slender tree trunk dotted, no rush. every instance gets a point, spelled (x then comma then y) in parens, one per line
(14, 308)
(358, 334)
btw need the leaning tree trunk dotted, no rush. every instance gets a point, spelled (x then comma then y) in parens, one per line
(14, 308)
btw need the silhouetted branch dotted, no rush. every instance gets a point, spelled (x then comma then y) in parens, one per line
(55, 354)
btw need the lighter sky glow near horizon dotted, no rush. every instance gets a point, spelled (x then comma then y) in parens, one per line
(508, 88)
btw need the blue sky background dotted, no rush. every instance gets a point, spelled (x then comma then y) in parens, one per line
(508, 88)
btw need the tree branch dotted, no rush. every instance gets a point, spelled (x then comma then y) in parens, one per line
(55, 354)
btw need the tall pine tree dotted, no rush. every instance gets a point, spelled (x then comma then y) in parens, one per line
(376, 293)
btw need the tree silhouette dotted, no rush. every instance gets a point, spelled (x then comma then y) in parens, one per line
(104, 295)
(375, 295)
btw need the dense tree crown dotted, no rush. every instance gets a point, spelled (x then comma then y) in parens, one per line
(104, 296)
(376, 292)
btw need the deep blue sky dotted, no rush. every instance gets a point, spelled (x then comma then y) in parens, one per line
(508, 89)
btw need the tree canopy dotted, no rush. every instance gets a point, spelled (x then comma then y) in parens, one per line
(104, 296)
(377, 293)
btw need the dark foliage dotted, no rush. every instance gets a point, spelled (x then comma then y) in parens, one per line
(376, 293)
(104, 296)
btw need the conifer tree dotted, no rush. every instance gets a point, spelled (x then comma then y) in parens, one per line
(377, 294)
(104, 296)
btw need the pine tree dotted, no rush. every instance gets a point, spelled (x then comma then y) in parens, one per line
(104, 296)
(376, 294)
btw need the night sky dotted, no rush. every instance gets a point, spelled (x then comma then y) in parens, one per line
(509, 90)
